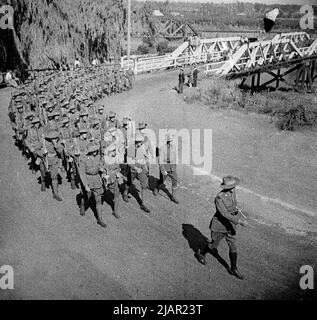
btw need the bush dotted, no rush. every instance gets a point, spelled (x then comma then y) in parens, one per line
(290, 110)
(143, 49)
(162, 47)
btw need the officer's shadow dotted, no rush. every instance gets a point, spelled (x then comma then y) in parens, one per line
(196, 240)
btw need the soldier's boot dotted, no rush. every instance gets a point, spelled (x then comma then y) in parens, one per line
(115, 207)
(99, 216)
(173, 197)
(201, 256)
(125, 193)
(233, 270)
(143, 207)
(55, 190)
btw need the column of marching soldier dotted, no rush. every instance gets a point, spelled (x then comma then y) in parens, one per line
(61, 127)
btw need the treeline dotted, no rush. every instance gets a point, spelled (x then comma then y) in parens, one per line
(229, 15)
(48, 33)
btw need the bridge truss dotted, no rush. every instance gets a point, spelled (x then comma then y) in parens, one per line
(236, 57)
(277, 58)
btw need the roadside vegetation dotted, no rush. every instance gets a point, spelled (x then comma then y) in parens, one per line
(289, 110)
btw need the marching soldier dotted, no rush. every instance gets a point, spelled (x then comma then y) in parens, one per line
(73, 114)
(112, 122)
(224, 223)
(111, 174)
(167, 165)
(102, 118)
(95, 131)
(147, 143)
(79, 147)
(90, 168)
(67, 141)
(137, 161)
(52, 139)
(34, 143)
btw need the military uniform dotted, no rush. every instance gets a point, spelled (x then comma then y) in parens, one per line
(90, 167)
(137, 162)
(167, 164)
(112, 170)
(53, 160)
(223, 224)
(34, 143)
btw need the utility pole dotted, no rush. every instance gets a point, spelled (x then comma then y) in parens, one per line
(129, 30)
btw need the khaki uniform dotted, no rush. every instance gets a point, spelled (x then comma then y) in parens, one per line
(167, 163)
(225, 220)
(140, 157)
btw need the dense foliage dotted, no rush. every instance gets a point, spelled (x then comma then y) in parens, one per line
(50, 32)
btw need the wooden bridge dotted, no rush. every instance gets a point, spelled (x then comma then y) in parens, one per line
(276, 58)
(237, 57)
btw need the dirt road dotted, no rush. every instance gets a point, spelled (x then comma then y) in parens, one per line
(56, 254)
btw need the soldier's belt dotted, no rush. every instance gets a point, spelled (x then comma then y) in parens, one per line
(51, 155)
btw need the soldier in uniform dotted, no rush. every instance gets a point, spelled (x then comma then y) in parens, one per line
(79, 148)
(167, 165)
(90, 168)
(83, 119)
(67, 142)
(223, 225)
(95, 130)
(102, 119)
(19, 126)
(34, 143)
(112, 122)
(73, 114)
(111, 174)
(52, 139)
(137, 161)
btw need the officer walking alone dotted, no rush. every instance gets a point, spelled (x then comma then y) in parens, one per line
(223, 225)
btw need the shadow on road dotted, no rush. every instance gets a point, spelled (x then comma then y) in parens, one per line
(196, 240)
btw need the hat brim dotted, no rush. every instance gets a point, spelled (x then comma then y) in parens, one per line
(227, 187)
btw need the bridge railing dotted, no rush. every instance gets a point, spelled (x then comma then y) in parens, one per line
(231, 50)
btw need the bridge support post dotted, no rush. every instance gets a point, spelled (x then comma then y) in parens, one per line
(278, 78)
(253, 82)
(258, 83)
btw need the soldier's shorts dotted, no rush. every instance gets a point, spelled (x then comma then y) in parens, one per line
(216, 238)
(114, 188)
(53, 166)
(142, 177)
(98, 192)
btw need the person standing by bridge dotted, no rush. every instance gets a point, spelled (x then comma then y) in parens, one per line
(195, 76)
(181, 81)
